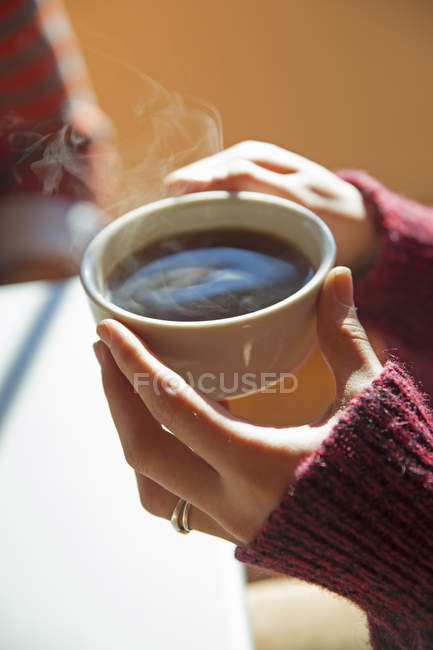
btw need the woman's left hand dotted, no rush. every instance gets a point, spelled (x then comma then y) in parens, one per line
(233, 472)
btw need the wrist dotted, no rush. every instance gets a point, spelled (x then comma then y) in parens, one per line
(358, 236)
(369, 244)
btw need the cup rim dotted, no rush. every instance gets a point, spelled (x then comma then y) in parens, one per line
(93, 250)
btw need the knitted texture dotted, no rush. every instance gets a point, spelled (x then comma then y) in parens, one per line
(358, 519)
(395, 298)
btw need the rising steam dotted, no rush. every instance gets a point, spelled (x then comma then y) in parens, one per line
(173, 131)
(166, 131)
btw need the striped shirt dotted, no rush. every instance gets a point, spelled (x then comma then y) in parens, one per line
(48, 113)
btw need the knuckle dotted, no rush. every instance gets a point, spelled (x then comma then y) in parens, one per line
(248, 148)
(352, 328)
(170, 415)
(166, 399)
(109, 384)
(127, 357)
(162, 411)
(238, 169)
(131, 457)
(140, 460)
(146, 499)
(149, 502)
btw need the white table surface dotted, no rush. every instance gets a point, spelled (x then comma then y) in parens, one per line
(82, 565)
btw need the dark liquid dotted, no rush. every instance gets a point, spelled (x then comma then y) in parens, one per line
(208, 275)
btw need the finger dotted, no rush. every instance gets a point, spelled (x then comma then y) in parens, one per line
(238, 168)
(264, 153)
(149, 449)
(342, 338)
(161, 503)
(235, 175)
(202, 424)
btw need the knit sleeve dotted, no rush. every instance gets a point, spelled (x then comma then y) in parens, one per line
(358, 519)
(395, 298)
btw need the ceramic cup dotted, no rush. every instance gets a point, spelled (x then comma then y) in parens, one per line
(230, 357)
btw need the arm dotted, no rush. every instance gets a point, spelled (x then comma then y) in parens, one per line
(358, 519)
(354, 489)
(395, 297)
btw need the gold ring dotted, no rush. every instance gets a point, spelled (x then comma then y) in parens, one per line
(185, 518)
(180, 512)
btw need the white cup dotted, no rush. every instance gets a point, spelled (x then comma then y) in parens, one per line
(230, 357)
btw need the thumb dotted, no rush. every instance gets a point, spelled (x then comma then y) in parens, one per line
(342, 338)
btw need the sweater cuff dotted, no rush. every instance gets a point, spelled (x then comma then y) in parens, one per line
(394, 296)
(398, 215)
(358, 517)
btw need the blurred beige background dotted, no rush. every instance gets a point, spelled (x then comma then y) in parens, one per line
(345, 82)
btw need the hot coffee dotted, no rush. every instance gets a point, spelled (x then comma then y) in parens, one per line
(208, 275)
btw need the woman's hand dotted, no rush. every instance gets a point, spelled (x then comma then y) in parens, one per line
(262, 167)
(233, 472)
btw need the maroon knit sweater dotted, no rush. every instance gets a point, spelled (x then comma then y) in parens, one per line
(396, 297)
(358, 519)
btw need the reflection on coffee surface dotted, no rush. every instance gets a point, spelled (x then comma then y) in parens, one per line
(208, 275)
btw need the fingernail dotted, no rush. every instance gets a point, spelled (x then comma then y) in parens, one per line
(343, 286)
(104, 333)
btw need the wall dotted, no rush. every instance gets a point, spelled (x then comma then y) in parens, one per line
(345, 83)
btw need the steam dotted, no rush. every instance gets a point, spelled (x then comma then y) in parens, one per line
(61, 155)
(165, 131)
(168, 131)
(49, 152)
(172, 131)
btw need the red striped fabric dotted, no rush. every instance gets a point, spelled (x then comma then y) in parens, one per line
(27, 88)
(45, 96)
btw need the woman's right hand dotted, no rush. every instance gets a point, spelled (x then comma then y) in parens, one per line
(233, 472)
(263, 167)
